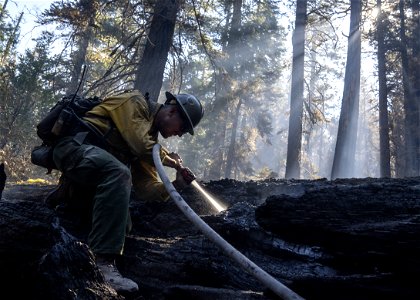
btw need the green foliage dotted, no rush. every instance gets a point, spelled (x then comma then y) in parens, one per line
(201, 62)
(266, 173)
(24, 87)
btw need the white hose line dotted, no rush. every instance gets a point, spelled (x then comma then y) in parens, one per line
(270, 282)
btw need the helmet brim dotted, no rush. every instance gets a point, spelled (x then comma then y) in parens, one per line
(184, 113)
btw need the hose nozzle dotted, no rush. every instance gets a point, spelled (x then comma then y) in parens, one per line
(188, 175)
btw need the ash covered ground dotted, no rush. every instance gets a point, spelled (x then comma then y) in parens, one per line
(342, 239)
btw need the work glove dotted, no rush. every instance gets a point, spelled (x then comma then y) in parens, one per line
(175, 161)
(180, 183)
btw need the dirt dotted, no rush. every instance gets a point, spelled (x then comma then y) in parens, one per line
(342, 239)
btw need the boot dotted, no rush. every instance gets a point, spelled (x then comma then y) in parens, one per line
(113, 276)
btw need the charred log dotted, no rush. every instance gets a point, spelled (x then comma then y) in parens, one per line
(365, 228)
(39, 259)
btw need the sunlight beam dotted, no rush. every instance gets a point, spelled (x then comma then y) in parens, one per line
(209, 198)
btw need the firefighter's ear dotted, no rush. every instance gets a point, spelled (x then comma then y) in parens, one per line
(172, 110)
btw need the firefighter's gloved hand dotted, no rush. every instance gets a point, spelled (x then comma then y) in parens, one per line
(180, 183)
(177, 160)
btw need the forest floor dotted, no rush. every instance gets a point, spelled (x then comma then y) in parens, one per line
(341, 239)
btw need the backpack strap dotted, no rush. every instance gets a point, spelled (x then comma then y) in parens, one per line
(80, 137)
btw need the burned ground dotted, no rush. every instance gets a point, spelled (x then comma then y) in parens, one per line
(342, 239)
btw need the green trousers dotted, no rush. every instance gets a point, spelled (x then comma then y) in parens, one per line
(92, 166)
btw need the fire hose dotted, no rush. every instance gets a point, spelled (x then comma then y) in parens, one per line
(270, 282)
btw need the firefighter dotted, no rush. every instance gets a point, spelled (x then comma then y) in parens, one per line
(116, 155)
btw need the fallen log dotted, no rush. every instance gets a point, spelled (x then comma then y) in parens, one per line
(365, 228)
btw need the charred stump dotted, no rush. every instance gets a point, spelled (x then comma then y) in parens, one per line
(38, 258)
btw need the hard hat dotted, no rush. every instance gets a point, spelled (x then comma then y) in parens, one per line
(190, 108)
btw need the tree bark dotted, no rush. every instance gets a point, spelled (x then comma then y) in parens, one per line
(231, 152)
(84, 38)
(410, 132)
(217, 163)
(232, 65)
(384, 151)
(220, 108)
(294, 140)
(150, 70)
(345, 148)
(416, 92)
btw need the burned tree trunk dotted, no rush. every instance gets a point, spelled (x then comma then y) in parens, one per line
(345, 147)
(343, 239)
(294, 138)
(149, 74)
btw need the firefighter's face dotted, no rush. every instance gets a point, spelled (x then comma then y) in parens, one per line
(171, 122)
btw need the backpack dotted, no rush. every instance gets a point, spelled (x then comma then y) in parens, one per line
(63, 119)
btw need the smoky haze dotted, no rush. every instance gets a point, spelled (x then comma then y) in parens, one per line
(236, 57)
(251, 96)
